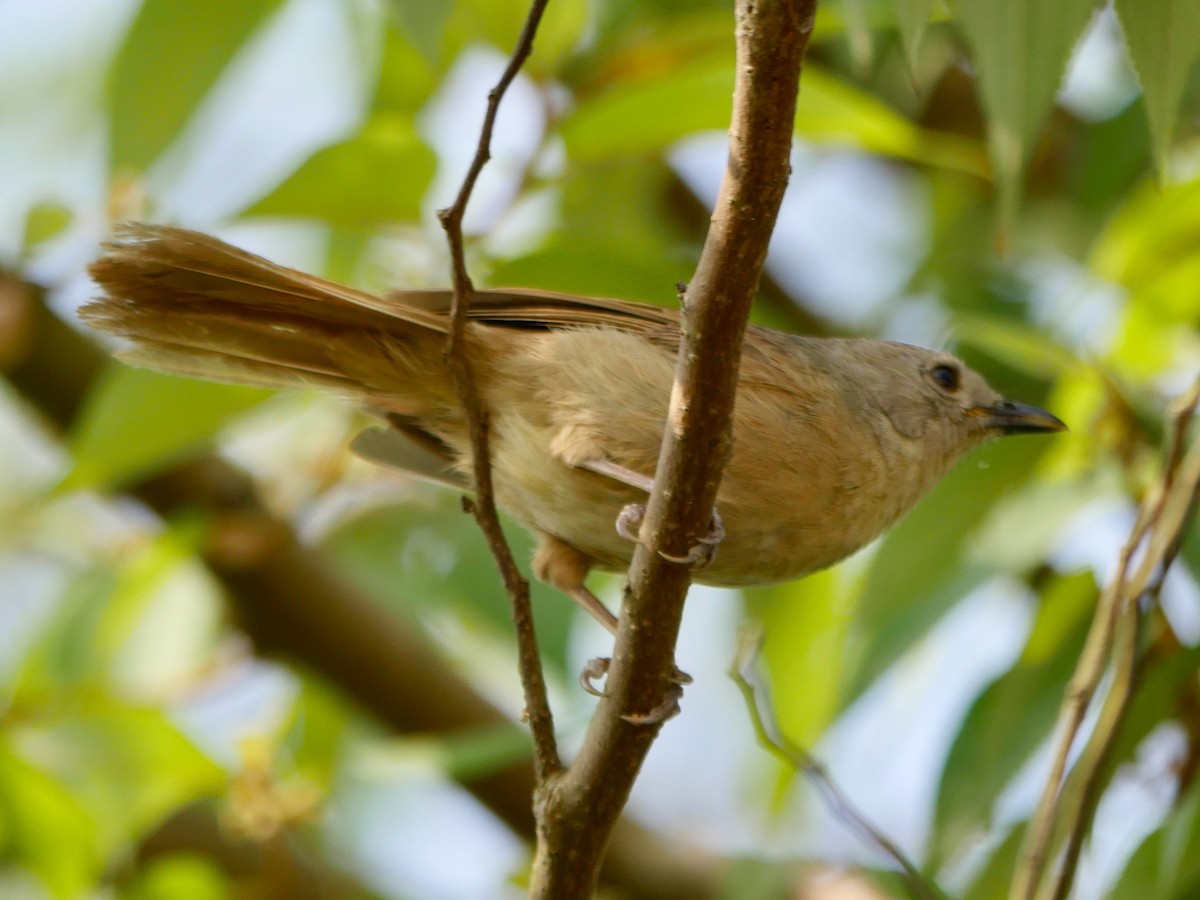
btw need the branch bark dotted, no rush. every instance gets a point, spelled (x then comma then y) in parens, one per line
(579, 810)
(546, 762)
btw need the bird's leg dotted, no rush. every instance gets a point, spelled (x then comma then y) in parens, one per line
(629, 521)
(564, 568)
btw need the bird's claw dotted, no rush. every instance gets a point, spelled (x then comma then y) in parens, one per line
(595, 668)
(703, 552)
(629, 521)
(668, 709)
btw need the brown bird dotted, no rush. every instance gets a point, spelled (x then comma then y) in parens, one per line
(833, 439)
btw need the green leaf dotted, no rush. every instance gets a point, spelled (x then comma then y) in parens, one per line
(179, 875)
(377, 177)
(1020, 49)
(172, 55)
(1017, 344)
(135, 422)
(917, 574)
(45, 829)
(128, 766)
(423, 23)
(858, 34)
(1167, 864)
(428, 554)
(614, 237)
(1163, 39)
(994, 878)
(912, 17)
(639, 117)
(43, 222)
(805, 623)
(1011, 718)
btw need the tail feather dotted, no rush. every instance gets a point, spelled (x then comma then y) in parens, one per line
(193, 305)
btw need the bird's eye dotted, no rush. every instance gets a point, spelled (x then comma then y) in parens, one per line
(945, 376)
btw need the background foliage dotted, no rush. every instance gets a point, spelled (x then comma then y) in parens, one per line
(1019, 181)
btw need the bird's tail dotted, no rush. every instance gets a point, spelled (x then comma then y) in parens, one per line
(193, 305)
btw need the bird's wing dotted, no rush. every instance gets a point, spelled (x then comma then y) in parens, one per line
(546, 310)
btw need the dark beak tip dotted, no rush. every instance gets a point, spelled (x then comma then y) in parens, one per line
(1011, 417)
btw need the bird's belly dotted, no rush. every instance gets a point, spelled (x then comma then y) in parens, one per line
(764, 543)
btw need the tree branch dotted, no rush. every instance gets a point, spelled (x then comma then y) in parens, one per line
(537, 705)
(750, 683)
(1068, 801)
(581, 806)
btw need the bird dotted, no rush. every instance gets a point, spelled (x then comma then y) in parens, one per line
(833, 439)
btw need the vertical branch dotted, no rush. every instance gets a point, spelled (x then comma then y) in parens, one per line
(537, 706)
(580, 807)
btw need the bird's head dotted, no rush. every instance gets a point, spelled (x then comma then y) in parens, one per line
(934, 398)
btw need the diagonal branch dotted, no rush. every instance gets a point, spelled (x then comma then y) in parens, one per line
(1068, 800)
(756, 694)
(537, 706)
(581, 806)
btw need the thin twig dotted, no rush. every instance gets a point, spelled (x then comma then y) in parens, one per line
(1067, 804)
(537, 705)
(745, 674)
(581, 806)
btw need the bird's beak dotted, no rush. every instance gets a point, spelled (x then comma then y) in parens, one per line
(1010, 417)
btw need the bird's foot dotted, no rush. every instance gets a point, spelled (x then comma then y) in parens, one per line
(668, 709)
(704, 551)
(595, 668)
(699, 555)
(629, 521)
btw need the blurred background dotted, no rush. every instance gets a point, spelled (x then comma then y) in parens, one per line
(237, 662)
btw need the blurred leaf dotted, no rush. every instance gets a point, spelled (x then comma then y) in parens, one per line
(1011, 718)
(64, 656)
(423, 23)
(859, 35)
(315, 735)
(463, 756)
(428, 554)
(912, 17)
(135, 422)
(916, 576)
(1150, 249)
(173, 54)
(43, 222)
(176, 877)
(406, 79)
(1167, 864)
(499, 24)
(1166, 685)
(1163, 40)
(377, 177)
(1155, 230)
(1020, 345)
(45, 829)
(484, 751)
(614, 237)
(1020, 50)
(805, 623)
(994, 878)
(639, 117)
(759, 879)
(128, 766)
